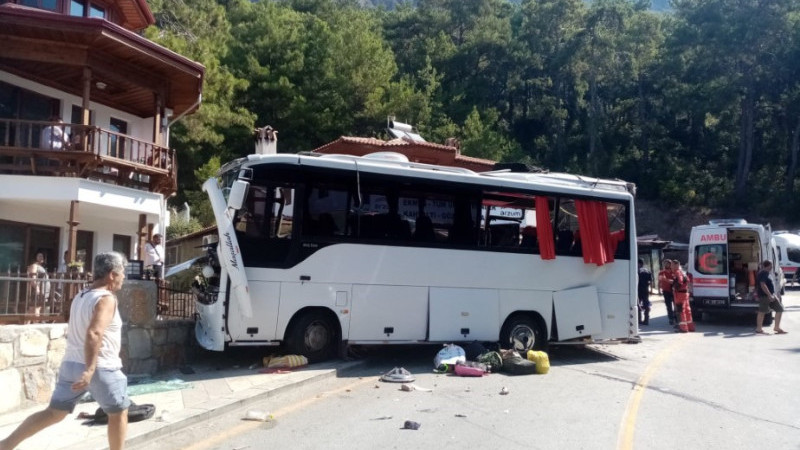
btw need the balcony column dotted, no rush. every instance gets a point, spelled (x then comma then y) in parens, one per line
(73, 230)
(142, 235)
(157, 117)
(85, 113)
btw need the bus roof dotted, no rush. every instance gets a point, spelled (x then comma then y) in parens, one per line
(547, 181)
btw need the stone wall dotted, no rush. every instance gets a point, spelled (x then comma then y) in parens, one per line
(29, 360)
(31, 354)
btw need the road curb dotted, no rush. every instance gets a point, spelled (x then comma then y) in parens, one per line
(221, 406)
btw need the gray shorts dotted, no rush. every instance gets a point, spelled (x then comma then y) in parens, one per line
(108, 387)
(767, 303)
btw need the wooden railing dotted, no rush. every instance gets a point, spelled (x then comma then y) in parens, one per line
(60, 149)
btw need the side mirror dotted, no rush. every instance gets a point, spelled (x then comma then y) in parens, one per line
(238, 194)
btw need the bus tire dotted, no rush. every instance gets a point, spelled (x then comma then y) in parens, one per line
(314, 335)
(523, 332)
(767, 319)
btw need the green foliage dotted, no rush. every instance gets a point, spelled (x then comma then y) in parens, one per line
(699, 105)
(182, 227)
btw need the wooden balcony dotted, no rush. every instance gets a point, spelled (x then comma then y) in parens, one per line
(35, 148)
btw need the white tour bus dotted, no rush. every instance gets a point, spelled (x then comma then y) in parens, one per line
(317, 252)
(788, 245)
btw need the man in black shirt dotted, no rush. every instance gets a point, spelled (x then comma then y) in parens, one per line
(767, 299)
(643, 291)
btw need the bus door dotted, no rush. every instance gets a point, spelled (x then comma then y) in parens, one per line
(463, 314)
(209, 329)
(577, 312)
(710, 279)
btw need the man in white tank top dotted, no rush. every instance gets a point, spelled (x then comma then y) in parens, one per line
(91, 361)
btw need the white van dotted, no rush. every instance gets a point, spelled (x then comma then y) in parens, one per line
(724, 258)
(788, 245)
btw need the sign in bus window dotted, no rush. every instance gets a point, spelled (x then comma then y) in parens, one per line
(711, 259)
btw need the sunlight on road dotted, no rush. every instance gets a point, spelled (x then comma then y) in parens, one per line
(628, 426)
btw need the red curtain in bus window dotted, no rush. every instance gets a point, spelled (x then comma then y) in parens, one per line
(595, 236)
(544, 229)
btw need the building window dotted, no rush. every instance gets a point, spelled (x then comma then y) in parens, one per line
(19, 243)
(50, 5)
(96, 11)
(122, 244)
(78, 8)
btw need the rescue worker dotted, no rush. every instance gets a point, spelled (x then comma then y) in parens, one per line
(680, 290)
(665, 277)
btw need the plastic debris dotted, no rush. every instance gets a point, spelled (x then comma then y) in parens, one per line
(504, 391)
(398, 375)
(383, 418)
(414, 387)
(164, 417)
(411, 425)
(257, 415)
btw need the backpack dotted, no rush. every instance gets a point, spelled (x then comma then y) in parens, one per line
(136, 413)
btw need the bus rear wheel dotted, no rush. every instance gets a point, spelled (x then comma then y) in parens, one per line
(523, 333)
(313, 335)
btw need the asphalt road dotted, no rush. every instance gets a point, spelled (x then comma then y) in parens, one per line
(722, 387)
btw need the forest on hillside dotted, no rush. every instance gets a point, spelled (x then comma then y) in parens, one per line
(699, 105)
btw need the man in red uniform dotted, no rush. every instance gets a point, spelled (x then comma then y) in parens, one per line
(680, 289)
(665, 277)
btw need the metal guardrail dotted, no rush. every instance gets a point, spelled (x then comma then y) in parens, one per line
(174, 303)
(25, 299)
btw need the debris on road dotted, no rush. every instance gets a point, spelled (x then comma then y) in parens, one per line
(398, 375)
(411, 425)
(414, 387)
(258, 415)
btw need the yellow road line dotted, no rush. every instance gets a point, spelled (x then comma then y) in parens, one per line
(248, 425)
(628, 426)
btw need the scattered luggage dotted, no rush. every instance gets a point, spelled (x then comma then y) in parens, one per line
(449, 354)
(136, 413)
(514, 364)
(470, 369)
(541, 360)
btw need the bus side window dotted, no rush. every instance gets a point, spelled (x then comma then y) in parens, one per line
(619, 234)
(567, 235)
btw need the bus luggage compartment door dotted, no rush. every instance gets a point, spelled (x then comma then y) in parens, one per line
(577, 312)
(389, 313)
(460, 314)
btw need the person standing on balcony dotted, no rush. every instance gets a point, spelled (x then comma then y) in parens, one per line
(91, 360)
(153, 259)
(53, 137)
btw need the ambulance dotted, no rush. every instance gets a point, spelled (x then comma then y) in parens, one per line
(724, 259)
(788, 245)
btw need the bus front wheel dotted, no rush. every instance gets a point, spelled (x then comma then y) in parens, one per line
(522, 333)
(313, 335)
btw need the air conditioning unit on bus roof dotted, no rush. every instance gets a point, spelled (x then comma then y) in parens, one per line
(387, 156)
(727, 222)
